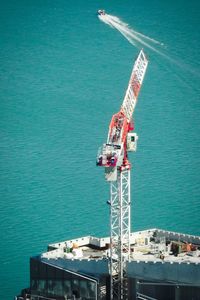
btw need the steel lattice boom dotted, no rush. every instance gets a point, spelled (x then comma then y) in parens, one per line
(113, 156)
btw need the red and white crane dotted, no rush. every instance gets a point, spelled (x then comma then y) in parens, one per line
(113, 156)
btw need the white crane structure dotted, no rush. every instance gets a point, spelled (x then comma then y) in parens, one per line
(113, 156)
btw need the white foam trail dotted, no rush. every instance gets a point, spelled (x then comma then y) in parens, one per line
(128, 33)
(135, 38)
(131, 35)
(148, 38)
(106, 20)
(114, 21)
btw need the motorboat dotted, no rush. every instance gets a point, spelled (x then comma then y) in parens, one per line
(101, 12)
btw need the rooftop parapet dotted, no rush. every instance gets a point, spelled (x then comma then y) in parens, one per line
(153, 245)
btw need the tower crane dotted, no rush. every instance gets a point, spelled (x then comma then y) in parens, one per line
(113, 157)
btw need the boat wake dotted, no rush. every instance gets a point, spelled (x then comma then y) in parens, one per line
(134, 37)
(139, 40)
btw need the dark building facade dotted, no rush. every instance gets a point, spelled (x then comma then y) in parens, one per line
(53, 282)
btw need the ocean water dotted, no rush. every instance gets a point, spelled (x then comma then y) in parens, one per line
(63, 75)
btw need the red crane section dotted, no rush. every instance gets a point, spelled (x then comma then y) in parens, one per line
(114, 152)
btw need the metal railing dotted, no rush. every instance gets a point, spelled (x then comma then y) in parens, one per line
(33, 297)
(144, 297)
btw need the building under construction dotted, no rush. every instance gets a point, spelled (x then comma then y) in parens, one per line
(163, 265)
(151, 264)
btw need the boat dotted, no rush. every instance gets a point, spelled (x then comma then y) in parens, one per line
(101, 12)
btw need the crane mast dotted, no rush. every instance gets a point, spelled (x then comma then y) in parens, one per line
(113, 156)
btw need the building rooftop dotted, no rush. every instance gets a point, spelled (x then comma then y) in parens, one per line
(153, 245)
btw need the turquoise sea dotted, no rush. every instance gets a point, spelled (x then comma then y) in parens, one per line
(63, 75)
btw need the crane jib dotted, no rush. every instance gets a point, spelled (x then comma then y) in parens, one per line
(135, 82)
